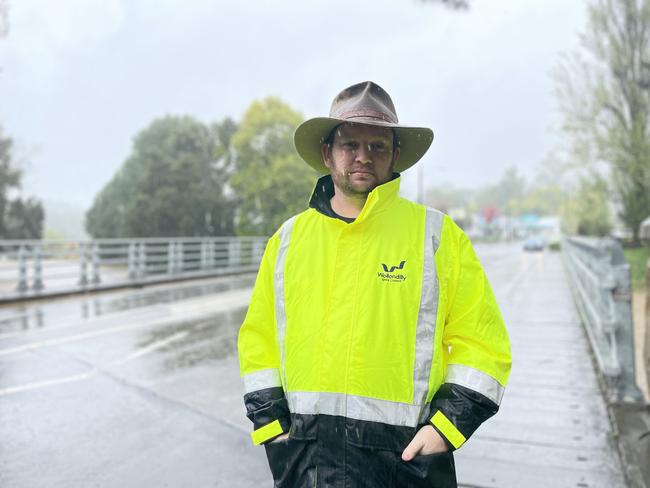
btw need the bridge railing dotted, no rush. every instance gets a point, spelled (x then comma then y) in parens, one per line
(600, 279)
(31, 268)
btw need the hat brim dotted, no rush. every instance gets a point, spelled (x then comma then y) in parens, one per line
(311, 134)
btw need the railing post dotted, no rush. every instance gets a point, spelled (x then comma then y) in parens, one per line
(204, 254)
(171, 257)
(142, 261)
(258, 251)
(133, 260)
(233, 252)
(83, 265)
(211, 246)
(22, 270)
(624, 328)
(37, 284)
(95, 264)
(180, 265)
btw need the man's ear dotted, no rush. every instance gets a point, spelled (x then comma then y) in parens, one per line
(326, 152)
(395, 156)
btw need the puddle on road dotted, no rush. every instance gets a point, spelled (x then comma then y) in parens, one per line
(39, 315)
(205, 340)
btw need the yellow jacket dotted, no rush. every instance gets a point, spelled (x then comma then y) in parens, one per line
(369, 320)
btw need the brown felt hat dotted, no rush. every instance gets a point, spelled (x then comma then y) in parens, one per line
(363, 103)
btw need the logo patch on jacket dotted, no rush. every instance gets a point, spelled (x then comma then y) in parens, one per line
(389, 274)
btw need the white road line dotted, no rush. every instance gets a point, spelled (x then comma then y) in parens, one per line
(192, 310)
(154, 346)
(93, 372)
(42, 384)
(69, 322)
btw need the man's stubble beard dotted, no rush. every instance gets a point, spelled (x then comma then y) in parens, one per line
(342, 181)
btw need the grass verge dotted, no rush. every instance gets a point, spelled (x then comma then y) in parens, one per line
(637, 257)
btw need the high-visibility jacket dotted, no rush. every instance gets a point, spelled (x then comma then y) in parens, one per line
(388, 322)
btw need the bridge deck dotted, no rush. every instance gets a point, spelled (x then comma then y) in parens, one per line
(141, 388)
(553, 428)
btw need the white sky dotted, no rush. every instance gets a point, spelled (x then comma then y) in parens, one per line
(81, 77)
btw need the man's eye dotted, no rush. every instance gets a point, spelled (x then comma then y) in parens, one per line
(349, 145)
(378, 146)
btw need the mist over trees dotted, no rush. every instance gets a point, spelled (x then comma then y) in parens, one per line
(511, 195)
(187, 178)
(270, 181)
(604, 94)
(19, 218)
(172, 184)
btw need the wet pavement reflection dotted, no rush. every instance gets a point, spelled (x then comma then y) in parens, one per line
(39, 314)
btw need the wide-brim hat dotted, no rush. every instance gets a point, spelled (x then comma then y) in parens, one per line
(363, 103)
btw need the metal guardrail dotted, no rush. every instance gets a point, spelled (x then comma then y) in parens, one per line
(32, 268)
(600, 279)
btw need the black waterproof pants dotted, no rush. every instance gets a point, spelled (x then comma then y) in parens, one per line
(335, 460)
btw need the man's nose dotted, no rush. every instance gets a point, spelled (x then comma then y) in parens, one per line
(364, 154)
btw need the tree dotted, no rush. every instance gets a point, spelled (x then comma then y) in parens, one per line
(604, 93)
(172, 184)
(18, 219)
(24, 219)
(505, 194)
(270, 181)
(588, 212)
(4, 18)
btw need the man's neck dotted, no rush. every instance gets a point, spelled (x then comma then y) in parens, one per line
(346, 205)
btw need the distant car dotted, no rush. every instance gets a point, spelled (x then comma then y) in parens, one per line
(535, 243)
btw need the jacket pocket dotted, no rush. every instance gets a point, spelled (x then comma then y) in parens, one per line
(292, 462)
(430, 470)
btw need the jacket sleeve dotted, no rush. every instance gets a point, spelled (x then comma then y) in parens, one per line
(259, 360)
(479, 359)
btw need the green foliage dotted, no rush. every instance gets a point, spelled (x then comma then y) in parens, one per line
(270, 181)
(24, 219)
(638, 259)
(512, 195)
(604, 93)
(545, 200)
(587, 212)
(19, 219)
(506, 194)
(172, 184)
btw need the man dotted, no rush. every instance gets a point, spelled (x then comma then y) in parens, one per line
(373, 346)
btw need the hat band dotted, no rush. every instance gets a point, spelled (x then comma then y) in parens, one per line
(367, 113)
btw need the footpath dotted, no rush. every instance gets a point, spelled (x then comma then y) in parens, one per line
(553, 428)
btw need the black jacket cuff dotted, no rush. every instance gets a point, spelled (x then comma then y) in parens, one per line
(265, 406)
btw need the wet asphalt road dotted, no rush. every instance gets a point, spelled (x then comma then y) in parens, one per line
(140, 388)
(128, 389)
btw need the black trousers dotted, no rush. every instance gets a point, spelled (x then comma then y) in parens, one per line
(336, 460)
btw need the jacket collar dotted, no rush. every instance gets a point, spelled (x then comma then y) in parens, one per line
(377, 200)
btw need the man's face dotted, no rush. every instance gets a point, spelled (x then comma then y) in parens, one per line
(360, 158)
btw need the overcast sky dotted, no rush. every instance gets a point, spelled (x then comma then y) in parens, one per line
(81, 77)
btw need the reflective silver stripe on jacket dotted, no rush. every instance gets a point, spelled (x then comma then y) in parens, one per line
(426, 326)
(353, 407)
(278, 283)
(259, 380)
(475, 380)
